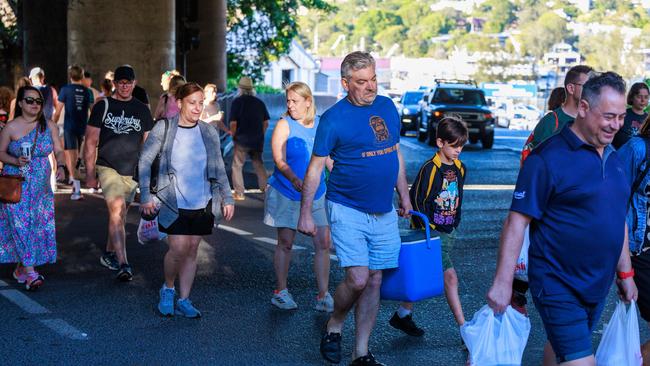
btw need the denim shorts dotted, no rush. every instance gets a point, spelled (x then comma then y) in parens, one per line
(72, 141)
(362, 239)
(569, 323)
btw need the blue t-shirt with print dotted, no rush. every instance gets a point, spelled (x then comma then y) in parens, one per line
(77, 100)
(577, 200)
(363, 142)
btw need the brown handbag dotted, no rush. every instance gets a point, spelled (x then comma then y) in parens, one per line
(11, 186)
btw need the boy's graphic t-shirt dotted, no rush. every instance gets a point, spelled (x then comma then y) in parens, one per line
(446, 215)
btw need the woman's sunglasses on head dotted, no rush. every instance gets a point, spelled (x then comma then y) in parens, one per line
(30, 100)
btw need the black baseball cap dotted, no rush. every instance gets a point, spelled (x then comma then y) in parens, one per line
(124, 72)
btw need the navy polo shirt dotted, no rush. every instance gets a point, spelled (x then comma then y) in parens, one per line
(577, 201)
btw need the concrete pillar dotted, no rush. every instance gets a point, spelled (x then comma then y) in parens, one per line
(105, 34)
(207, 63)
(45, 39)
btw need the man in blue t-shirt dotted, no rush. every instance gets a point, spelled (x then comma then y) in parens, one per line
(573, 192)
(77, 100)
(361, 135)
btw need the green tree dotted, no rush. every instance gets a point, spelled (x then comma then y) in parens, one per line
(538, 37)
(627, 63)
(262, 30)
(499, 14)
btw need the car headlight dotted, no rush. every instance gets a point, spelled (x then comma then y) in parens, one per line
(406, 111)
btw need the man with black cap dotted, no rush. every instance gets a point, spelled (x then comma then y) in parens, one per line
(249, 120)
(118, 126)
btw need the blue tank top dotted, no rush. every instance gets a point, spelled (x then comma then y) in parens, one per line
(300, 143)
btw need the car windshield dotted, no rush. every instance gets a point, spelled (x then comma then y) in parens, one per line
(459, 96)
(412, 97)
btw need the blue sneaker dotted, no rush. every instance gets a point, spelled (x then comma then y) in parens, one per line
(184, 307)
(166, 304)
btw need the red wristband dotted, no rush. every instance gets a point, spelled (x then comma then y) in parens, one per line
(624, 275)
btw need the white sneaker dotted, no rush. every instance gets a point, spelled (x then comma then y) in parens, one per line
(76, 190)
(284, 300)
(325, 304)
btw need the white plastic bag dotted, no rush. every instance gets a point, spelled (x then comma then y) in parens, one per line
(496, 340)
(521, 269)
(621, 344)
(148, 231)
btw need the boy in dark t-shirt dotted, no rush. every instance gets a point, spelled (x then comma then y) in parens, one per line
(76, 100)
(438, 193)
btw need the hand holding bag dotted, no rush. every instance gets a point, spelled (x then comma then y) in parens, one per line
(621, 343)
(496, 340)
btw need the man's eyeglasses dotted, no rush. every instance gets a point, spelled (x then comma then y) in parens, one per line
(30, 100)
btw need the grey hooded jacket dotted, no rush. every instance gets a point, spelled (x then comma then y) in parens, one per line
(166, 195)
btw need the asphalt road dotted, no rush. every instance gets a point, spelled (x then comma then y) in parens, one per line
(83, 316)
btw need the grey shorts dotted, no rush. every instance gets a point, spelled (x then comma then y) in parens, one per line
(280, 211)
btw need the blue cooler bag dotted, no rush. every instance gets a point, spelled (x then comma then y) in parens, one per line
(419, 275)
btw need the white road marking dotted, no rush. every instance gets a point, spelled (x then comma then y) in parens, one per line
(489, 187)
(518, 138)
(275, 242)
(332, 257)
(234, 230)
(64, 329)
(3, 283)
(24, 302)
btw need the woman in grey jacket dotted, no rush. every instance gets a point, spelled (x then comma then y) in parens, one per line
(192, 189)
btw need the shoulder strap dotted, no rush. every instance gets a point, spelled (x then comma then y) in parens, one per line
(162, 146)
(557, 120)
(105, 108)
(35, 138)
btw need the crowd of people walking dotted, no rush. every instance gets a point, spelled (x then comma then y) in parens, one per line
(335, 177)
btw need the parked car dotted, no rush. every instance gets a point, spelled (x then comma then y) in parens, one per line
(461, 98)
(529, 111)
(409, 110)
(522, 122)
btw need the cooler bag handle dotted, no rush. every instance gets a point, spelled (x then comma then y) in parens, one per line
(425, 219)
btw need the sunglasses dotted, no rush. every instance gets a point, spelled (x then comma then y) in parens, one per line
(30, 100)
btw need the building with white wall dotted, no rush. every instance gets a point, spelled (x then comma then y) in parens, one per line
(297, 65)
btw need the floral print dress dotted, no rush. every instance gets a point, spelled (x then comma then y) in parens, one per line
(27, 232)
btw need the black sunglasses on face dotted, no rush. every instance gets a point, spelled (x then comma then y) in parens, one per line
(30, 100)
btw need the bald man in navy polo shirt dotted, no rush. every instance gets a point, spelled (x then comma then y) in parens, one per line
(573, 192)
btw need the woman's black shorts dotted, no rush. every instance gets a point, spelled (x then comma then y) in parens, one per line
(641, 265)
(191, 222)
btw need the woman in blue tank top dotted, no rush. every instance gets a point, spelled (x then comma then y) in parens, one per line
(292, 144)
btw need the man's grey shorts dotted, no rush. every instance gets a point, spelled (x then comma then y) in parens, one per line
(362, 239)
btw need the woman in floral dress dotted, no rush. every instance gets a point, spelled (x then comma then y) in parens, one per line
(27, 234)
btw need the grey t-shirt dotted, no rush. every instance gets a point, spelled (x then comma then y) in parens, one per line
(190, 164)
